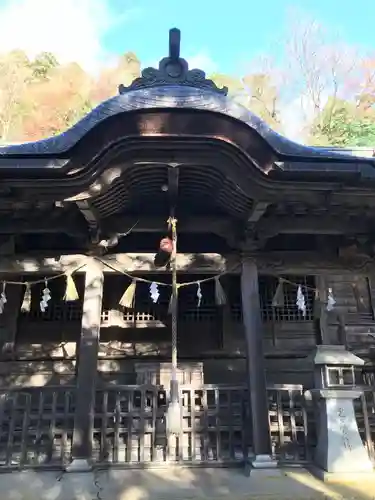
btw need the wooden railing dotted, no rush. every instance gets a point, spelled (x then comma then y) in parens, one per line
(365, 413)
(292, 424)
(36, 426)
(130, 426)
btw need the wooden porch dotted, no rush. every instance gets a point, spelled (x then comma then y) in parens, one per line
(130, 371)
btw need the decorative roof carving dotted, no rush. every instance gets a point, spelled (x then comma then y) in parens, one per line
(173, 70)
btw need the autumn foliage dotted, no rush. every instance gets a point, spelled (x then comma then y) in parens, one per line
(40, 98)
(321, 87)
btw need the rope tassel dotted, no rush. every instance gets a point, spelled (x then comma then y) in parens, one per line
(220, 297)
(279, 297)
(128, 298)
(71, 293)
(26, 302)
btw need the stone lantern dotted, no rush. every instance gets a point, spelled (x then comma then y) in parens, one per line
(339, 448)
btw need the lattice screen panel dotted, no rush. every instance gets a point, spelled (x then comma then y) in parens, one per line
(145, 311)
(290, 312)
(188, 301)
(232, 287)
(267, 289)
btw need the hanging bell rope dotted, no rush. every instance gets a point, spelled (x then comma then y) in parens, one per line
(171, 302)
(174, 410)
(174, 305)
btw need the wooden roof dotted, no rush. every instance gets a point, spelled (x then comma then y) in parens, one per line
(112, 166)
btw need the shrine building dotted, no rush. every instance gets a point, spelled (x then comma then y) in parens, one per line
(176, 279)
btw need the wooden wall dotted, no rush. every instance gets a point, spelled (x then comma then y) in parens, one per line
(46, 346)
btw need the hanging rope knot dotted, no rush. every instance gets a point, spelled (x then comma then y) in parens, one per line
(172, 224)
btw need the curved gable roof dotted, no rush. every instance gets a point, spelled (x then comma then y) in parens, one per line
(170, 97)
(174, 86)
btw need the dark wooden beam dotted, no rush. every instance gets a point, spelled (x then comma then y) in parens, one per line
(7, 244)
(313, 263)
(129, 262)
(91, 218)
(273, 263)
(251, 240)
(257, 211)
(272, 226)
(173, 179)
(39, 226)
(154, 224)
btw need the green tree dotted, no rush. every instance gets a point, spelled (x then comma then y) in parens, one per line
(261, 96)
(345, 125)
(255, 91)
(42, 65)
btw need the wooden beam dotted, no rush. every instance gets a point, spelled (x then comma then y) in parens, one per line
(313, 263)
(267, 263)
(257, 211)
(173, 179)
(154, 224)
(27, 226)
(91, 218)
(129, 262)
(272, 226)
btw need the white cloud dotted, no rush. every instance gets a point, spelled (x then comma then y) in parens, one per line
(295, 119)
(71, 29)
(202, 61)
(298, 115)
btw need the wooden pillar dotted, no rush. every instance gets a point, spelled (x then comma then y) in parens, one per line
(256, 367)
(87, 367)
(9, 319)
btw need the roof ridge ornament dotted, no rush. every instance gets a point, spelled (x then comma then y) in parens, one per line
(173, 70)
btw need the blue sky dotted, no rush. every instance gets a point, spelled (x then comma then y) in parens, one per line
(223, 34)
(229, 33)
(217, 35)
